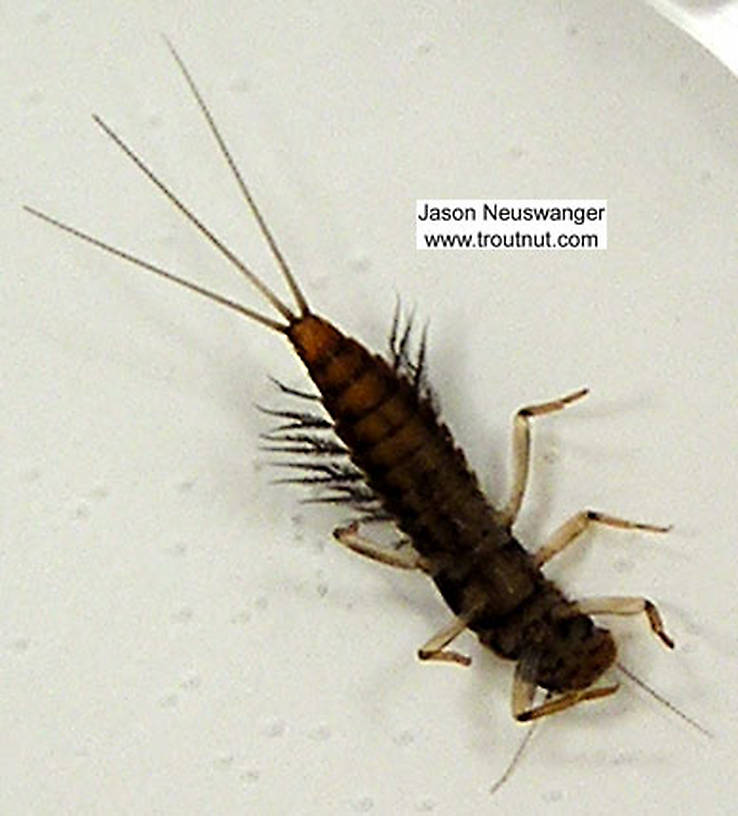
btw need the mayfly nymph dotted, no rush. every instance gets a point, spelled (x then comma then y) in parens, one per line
(381, 449)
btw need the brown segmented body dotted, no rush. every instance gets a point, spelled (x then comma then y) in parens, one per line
(421, 480)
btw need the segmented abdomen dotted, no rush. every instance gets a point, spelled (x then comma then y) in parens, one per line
(394, 435)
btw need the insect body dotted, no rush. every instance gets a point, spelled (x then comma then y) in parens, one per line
(422, 480)
(403, 465)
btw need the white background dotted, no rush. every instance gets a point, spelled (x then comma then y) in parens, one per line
(179, 636)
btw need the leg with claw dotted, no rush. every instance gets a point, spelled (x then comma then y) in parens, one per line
(434, 648)
(577, 524)
(521, 449)
(349, 537)
(524, 689)
(625, 605)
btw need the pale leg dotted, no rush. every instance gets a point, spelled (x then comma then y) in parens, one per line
(624, 605)
(434, 648)
(524, 690)
(521, 450)
(349, 537)
(577, 524)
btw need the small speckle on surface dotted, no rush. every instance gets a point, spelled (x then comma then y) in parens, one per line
(33, 97)
(99, 492)
(404, 738)
(552, 796)
(241, 85)
(153, 121)
(31, 475)
(572, 30)
(625, 758)
(322, 589)
(241, 618)
(19, 645)
(692, 628)
(425, 806)
(363, 804)
(320, 733)
(321, 283)
(274, 728)
(261, 603)
(185, 485)
(250, 777)
(423, 47)
(183, 615)
(178, 549)
(82, 512)
(516, 152)
(169, 700)
(224, 761)
(298, 527)
(190, 681)
(360, 262)
(623, 565)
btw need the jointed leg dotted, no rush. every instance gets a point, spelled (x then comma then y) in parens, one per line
(349, 537)
(433, 649)
(578, 523)
(624, 605)
(564, 701)
(521, 449)
(524, 690)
